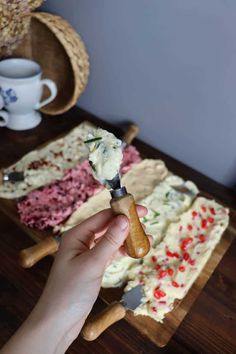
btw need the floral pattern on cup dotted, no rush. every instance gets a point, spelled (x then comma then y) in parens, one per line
(9, 96)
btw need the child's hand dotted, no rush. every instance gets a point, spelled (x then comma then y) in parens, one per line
(75, 279)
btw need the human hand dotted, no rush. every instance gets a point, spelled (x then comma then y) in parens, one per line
(75, 279)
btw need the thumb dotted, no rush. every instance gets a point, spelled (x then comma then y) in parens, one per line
(113, 239)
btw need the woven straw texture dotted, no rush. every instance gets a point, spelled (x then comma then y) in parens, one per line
(33, 4)
(14, 24)
(58, 48)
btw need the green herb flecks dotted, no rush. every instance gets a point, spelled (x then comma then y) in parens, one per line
(154, 222)
(155, 213)
(92, 140)
(145, 219)
(104, 150)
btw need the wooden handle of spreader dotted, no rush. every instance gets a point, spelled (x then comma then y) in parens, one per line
(30, 256)
(1, 177)
(137, 243)
(130, 133)
(99, 323)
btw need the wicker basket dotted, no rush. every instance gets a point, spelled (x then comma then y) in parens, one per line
(33, 4)
(14, 24)
(58, 48)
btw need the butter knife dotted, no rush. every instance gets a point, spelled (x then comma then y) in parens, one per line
(112, 314)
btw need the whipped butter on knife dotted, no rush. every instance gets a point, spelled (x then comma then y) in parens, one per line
(105, 154)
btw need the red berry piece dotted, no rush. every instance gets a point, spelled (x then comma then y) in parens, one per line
(162, 293)
(154, 259)
(157, 266)
(183, 246)
(159, 294)
(169, 253)
(162, 273)
(189, 240)
(194, 214)
(186, 256)
(204, 224)
(175, 284)
(154, 309)
(212, 211)
(190, 227)
(210, 219)
(202, 238)
(204, 209)
(180, 228)
(185, 243)
(170, 271)
(162, 302)
(192, 262)
(182, 268)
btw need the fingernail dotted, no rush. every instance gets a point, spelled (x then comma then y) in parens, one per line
(122, 222)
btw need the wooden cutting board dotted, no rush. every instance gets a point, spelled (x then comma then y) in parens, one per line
(158, 333)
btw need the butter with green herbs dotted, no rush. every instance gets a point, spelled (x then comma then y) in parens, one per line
(105, 154)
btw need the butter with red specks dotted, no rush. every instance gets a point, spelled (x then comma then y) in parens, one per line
(175, 275)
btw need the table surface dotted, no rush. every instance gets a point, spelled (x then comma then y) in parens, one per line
(209, 327)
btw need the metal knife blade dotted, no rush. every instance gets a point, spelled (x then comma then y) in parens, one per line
(13, 177)
(183, 189)
(132, 298)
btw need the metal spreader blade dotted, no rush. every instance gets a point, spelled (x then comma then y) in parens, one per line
(132, 299)
(13, 177)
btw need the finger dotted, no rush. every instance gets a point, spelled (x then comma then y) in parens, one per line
(97, 224)
(122, 250)
(79, 237)
(112, 239)
(141, 211)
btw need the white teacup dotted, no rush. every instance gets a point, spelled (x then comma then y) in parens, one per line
(21, 89)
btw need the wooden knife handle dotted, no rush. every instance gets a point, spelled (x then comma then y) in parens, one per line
(137, 243)
(99, 323)
(30, 256)
(1, 177)
(131, 133)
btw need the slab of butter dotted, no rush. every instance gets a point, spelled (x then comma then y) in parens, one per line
(170, 269)
(47, 164)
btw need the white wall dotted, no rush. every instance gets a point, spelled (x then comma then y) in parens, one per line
(170, 65)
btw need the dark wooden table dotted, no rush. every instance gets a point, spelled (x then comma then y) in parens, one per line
(209, 327)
